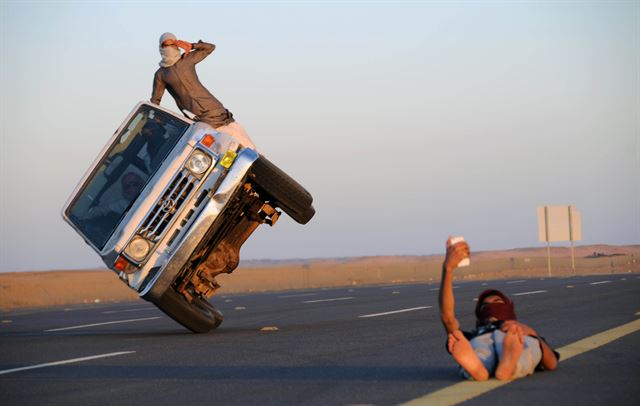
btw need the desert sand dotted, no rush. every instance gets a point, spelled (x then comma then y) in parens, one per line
(21, 290)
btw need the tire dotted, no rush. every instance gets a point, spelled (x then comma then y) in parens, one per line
(304, 217)
(199, 316)
(288, 194)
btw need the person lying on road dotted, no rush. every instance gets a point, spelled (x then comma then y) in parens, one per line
(499, 346)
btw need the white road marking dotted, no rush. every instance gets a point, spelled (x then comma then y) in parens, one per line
(534, 292)
(599, 283)
(329, 300)
(297, 295)
(68, 361)
(520, 281)
(395, 311)
(129, 310)
(434, 289)
(463, 391)
(100, 324)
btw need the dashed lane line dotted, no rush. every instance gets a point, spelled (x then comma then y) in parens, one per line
(463, 391)
(520, 281)
(297, 295)
(329, 300)
(534, 292)
(141, 309)
(395, 312)
(599, 283)
(68, 361)
(100, 324)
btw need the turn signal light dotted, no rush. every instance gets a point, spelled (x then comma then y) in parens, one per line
(228, 159)
(208, 140)
(121, 264)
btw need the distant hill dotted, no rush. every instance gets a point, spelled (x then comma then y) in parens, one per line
(54, 288)
(584, 251)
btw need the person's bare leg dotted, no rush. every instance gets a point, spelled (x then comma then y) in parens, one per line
(511, 351)
(466, 357)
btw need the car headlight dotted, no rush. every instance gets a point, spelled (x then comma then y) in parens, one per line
(199, 162)
(138, 248)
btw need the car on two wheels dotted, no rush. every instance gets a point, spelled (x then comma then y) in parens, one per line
(168, 204)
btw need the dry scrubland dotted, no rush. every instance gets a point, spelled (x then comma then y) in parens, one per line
(53, 288)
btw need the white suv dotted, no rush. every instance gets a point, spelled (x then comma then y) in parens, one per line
(169, 202)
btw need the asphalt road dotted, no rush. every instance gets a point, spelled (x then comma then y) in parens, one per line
(323, 352)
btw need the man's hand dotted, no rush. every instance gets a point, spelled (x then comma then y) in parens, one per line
(455, 254)
(184, 45)
(523, 328)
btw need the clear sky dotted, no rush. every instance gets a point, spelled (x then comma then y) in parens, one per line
(407, 121)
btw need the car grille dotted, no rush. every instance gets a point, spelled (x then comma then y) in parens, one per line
(168, 205)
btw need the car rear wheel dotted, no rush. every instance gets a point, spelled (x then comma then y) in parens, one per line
(199, 316)
(288, 194)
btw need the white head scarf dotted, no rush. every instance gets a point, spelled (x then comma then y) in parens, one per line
(171, 54)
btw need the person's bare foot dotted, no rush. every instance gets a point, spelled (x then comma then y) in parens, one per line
(511, 350)
(464, 355)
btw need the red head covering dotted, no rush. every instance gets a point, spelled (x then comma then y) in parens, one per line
(501, 311)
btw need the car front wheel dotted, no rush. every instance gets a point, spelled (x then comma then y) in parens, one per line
(198, 316)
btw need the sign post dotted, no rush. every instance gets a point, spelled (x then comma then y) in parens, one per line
(559, 223)
(573, 259)
(546, 238)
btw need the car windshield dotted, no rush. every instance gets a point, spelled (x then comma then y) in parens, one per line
(133, 158)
